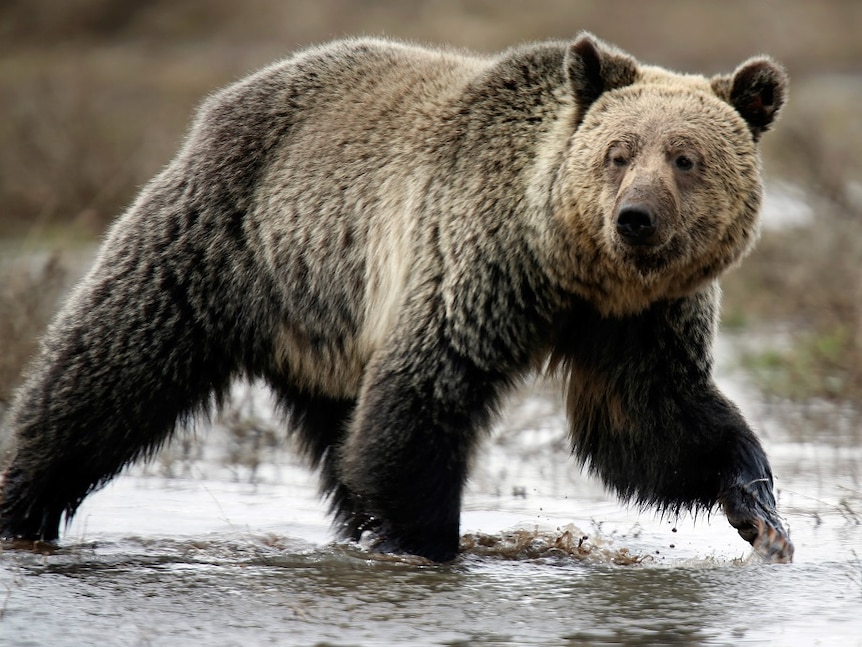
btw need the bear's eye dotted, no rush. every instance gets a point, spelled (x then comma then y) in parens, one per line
(618, 156)
(683, 162)
(619, 160)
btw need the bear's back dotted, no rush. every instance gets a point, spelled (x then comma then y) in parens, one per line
(362, 80)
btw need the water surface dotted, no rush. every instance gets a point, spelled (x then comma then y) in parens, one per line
(214, 544)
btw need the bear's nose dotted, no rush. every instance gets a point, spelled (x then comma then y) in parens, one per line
(636, 225)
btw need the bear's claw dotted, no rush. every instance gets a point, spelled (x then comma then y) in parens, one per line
(769, 539)
(758, 523)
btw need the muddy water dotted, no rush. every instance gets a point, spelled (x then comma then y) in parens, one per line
(207, 546)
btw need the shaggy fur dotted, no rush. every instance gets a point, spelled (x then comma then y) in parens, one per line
(392, 236)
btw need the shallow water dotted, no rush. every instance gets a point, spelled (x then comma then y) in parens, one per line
(206, 557)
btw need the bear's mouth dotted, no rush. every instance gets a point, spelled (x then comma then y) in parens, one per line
(654, 258)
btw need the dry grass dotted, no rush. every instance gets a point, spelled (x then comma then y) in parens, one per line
(28, 297)
(49, 167)
(810, 279)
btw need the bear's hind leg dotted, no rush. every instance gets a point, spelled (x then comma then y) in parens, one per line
(321, 423)
(125, 360)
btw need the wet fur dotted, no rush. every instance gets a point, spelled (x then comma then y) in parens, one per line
(391, 237)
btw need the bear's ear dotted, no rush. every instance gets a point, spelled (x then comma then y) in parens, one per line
(594, 67)
(757, 90)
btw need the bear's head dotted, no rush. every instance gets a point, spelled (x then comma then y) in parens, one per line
(662, 176)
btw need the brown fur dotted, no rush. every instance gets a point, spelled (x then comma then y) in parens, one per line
(391, 236)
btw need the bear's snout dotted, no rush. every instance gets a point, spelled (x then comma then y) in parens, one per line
(636, 224)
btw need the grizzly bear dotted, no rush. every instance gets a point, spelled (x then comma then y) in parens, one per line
(392, 237)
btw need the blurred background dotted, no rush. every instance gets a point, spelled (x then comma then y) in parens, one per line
(96, 94)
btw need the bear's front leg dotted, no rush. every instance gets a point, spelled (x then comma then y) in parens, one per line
(420, 413)
(647, 417)
(745, 490)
